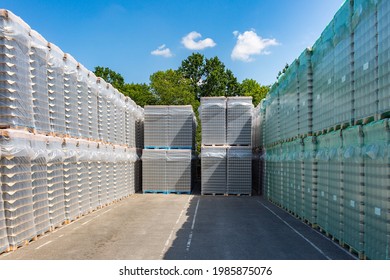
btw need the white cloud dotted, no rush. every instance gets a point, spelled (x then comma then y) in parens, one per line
(249, 44)
(162, 51)
(189, 41)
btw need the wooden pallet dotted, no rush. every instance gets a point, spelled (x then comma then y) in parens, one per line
(364, 121)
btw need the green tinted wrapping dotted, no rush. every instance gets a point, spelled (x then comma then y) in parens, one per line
(322, 157)
(342, 22)
(289, 114)
(377, 190)
(361, 10)
(352, 170)
(310, 180)
(335, 195)
(305, 80)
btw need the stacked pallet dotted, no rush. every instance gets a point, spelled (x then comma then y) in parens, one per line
(69, 141)
(169, 146)
(226, 145)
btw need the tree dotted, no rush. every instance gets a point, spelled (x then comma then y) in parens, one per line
(193, 68)
(250, 87)
(171, 88)
(140, 94)
(110, 76)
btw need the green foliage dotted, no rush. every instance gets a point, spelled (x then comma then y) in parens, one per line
(250, 87)
(110, 76)
(193, 68)
(140, 93)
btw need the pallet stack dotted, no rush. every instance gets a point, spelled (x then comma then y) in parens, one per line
(69, 141)
(169, 148)
(226, 145)
(341, 145)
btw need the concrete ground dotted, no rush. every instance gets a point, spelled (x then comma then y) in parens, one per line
(154, 226)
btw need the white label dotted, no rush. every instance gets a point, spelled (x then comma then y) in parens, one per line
(318, 96)
(308, 190)
(343, 79)
(304, 103)
(335, 197)
(365, 66)
(377, 211)
(352, 203)
(322, 193)
(329, 81)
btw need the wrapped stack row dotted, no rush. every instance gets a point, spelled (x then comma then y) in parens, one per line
(44, 90)
(332, 170)
(47, 180)
(167, 160)
(70, 143)
(226, 145)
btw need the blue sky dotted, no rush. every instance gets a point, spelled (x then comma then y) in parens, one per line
(137, 38)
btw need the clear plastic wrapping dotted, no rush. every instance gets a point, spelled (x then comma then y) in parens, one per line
(70, 179)
(93, 106)
(70, 95)
(39, 183)
(83, 157)
(213, 170)
(15, 83)
(212, 113)
(55, 81)
(16, 186)
(39, 54)
(239, 120)
(55, 181)
(83, 102)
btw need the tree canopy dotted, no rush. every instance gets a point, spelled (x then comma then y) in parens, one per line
(196, 77)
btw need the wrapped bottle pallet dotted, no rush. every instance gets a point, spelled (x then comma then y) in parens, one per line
(352, 170)
(272, 117)
(310, 179)
(323, 79)
(119, 171)
(39, 183)
(376, 156)
(70, 179)
(297, 158)
(55, 81)
(343, 66)
(305, 80)
(83, 157)
(38, 71)
(383, 14)
(154, 171)
(110, 113)
(335, 187)
(364, 27)
(16, 186)
(84, 97)
(239, 170)
(93, 106)
(156, 126)
(180, 127)
(4, 245)
(239, 120)
(130, 122)
(102, 181)
(322, 157)
(288, 175)
(102, 110)
(93, 183)
(111, 178)
(213, 115)
(55, 181)
(178, 170)
(70, 95)
(15, 83)
(213, 170)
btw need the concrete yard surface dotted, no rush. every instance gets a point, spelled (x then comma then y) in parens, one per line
(184, 227)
